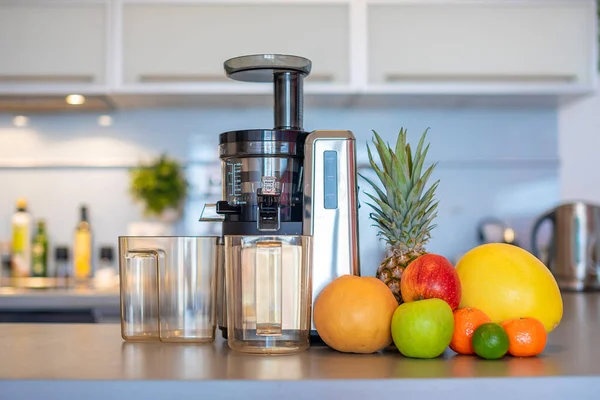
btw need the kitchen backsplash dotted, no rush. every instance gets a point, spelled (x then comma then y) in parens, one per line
(500, 162)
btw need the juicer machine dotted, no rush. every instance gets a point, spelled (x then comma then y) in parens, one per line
(281, 183)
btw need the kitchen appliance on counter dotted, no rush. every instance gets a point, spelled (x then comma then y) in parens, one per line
(289, 214)
(494, 230)
(574, 250)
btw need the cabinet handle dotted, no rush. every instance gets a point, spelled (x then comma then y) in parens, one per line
(46, 78)
(183, 78)
(495, 78)
(320, 78)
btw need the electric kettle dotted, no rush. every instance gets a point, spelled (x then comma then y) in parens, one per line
(573, 254)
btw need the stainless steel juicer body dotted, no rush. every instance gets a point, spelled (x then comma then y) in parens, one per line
(331, 206)
(285, 181)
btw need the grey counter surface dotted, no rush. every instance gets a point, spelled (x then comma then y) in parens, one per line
(36, 296)
(58, 300)
(93, 362)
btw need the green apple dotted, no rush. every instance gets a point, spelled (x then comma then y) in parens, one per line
(423, 329)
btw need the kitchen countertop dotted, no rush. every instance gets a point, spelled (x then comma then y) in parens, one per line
(93, 362)
(56, 299)
(42, 294)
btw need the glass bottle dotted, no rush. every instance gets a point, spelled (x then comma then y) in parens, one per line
(107, 258)
(82, 249)
(21, 240)
(107, 273)
(5, 255)
(39, 251)
(62, 267)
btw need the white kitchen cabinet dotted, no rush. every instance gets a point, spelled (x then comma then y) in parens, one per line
(52, 44)
(152, 52)
(491, 45)
(174, 43)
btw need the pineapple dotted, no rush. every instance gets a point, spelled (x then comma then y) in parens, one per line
(403, 210)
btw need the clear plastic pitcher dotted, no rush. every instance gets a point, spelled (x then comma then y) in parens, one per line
(168, 288)
(268, 293)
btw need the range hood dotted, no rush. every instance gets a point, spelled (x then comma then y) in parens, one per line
(26, 103)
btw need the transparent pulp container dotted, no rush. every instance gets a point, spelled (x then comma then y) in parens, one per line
(168, 288)
(268, 293)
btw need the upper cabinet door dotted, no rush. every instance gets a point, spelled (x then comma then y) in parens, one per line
(52, 43)
(188, 42)
(495, 42)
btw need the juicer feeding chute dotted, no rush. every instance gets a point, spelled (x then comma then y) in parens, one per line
(287, 74)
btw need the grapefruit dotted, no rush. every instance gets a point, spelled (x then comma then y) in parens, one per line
(353, 314)
(507, 282)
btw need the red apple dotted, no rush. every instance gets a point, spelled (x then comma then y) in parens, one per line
(431, 276)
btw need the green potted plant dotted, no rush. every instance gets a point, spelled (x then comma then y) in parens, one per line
(161, 186)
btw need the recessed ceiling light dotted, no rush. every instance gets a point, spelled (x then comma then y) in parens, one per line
(105, 120)
(75, 99)
(20, 121)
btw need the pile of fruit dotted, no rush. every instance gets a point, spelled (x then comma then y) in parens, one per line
(499, 299)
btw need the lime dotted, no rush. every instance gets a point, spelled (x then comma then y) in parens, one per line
(490, 341)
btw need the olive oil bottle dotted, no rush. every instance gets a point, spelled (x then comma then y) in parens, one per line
(82, 248)
(39, 251)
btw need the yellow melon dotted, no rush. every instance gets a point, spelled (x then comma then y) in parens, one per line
(353, 314)
(507, 282)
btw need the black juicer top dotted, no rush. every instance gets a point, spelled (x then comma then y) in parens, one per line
(262, 142)
(262, 168)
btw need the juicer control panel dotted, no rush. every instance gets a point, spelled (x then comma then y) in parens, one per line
(330, 179)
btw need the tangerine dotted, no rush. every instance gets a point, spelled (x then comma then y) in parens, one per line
(466, 320)
(526, 336)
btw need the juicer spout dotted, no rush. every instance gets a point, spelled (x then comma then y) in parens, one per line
(269, 204)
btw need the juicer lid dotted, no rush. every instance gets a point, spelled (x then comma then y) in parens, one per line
(262, 143)
(261, 67)
(261, 135)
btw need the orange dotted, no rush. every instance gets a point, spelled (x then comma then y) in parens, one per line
(353, 314)
(466, 320)
(526, 336)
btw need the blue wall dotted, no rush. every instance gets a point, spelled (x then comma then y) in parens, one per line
(493, 161)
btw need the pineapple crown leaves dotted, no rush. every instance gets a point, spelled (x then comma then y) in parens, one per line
(403, 213)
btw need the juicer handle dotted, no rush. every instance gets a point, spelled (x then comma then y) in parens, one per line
(592, 255)
(550, 215)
